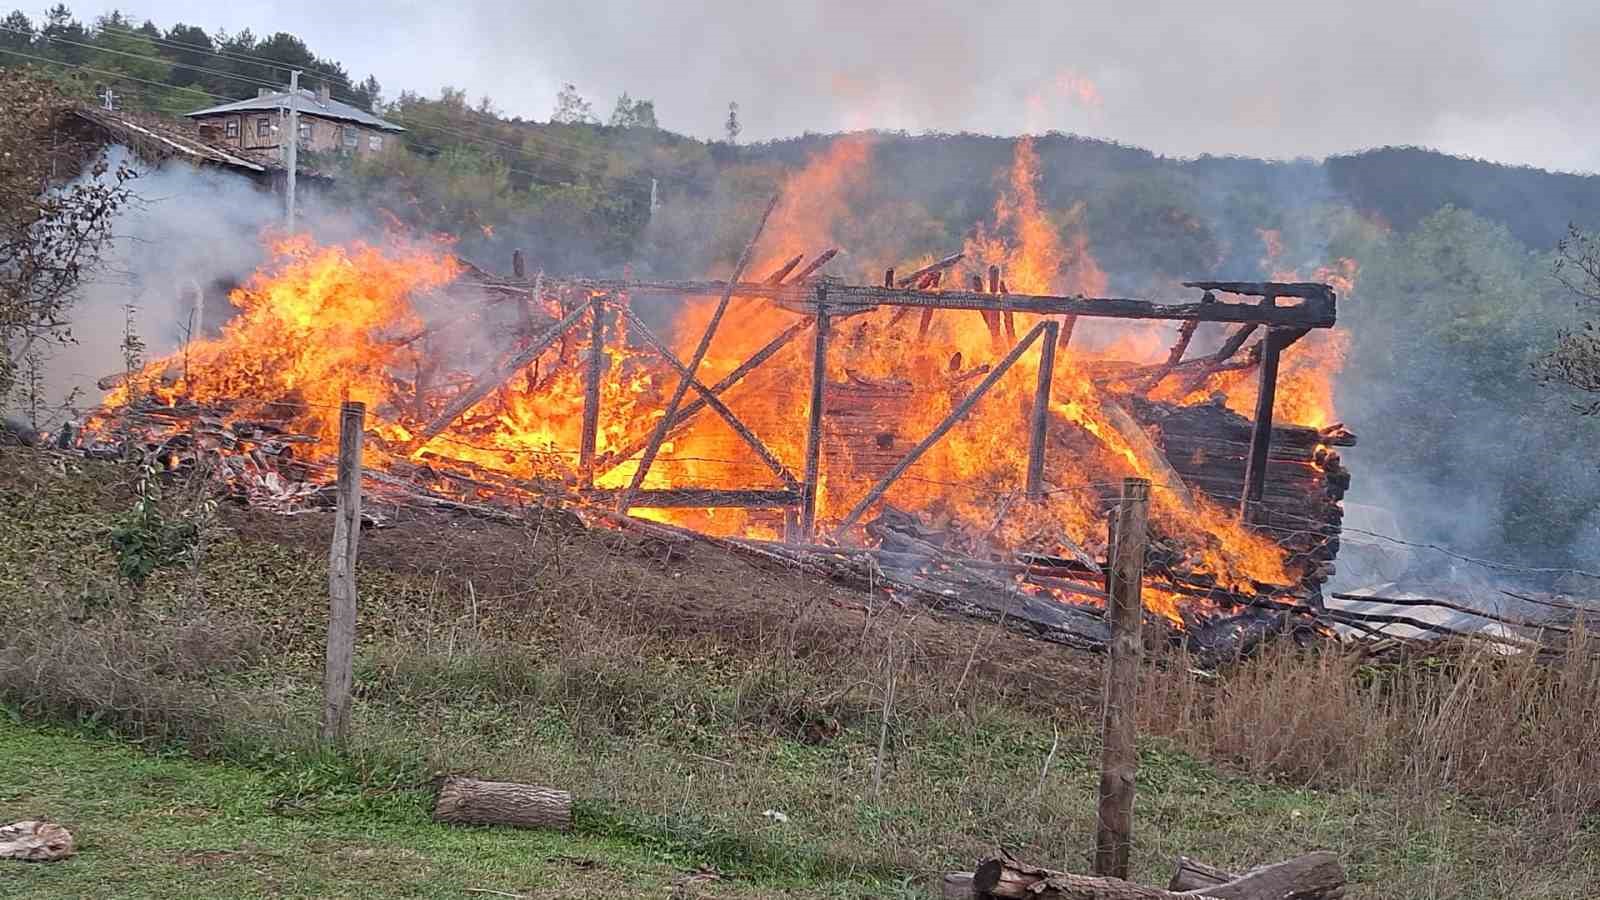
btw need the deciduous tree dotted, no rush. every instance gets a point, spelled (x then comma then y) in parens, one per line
(1575, 361)
(51, 233)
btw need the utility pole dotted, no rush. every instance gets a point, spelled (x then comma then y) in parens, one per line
(293, 145)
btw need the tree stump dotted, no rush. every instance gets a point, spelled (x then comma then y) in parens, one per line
(468, 801)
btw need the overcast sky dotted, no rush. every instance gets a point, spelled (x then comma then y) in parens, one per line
(1510, 81)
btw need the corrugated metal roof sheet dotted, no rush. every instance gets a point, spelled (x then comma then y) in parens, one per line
(310, 104)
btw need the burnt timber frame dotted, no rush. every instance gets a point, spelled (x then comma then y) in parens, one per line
(820, 301)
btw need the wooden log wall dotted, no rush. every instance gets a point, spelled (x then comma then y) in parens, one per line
(1209, 445)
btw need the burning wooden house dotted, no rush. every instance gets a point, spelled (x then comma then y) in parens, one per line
(954, 442)
(954, 429)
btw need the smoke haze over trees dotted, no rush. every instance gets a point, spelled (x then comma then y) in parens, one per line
(1454, 303)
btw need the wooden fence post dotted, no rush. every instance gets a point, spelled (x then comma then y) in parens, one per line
(338, 676)
(1119, 761)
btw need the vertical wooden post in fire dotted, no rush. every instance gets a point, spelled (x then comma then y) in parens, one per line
(591, 389)
(1119, 761)
(1255, 468)
(338, 675)
(1038, 423)
(991, 317)
(519, 268)
(819, 379)
(1011, 320)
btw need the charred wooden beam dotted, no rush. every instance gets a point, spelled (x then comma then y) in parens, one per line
(1304, 290)
(696, 406)
(996, 286)
(822, 259)
(767, 457)
(902, 312)
(939, 431)
(591, 389)
(693, 366)
(526, 302)
(1175, 355)
(1308, 315)
(819, 378)
(494, 377)
(700, 498)
(1217, 361)
(783, 271)
(915, 278)
(1305, 315)
(1040, 420)
(843, 297)
(991, 317)
(1255, 472)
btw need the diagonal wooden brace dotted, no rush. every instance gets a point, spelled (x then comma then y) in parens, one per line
(712, 400)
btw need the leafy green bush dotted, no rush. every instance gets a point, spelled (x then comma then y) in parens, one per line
(146, 539)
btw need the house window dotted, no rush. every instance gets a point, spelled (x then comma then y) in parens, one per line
(233, 128)
(351, 139)
(305, 132)
(263, 127)
(374, 142)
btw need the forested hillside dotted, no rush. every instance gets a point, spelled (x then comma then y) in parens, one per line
(1451, 304)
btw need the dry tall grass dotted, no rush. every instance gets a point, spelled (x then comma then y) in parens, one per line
(1514, 734)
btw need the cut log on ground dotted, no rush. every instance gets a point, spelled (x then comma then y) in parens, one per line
(468, 801)
(1007, 878)
(1314, 876)
(957, 886)
(35, 842)
(1192, 875)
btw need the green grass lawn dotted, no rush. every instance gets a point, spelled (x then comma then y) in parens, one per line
(165, 826)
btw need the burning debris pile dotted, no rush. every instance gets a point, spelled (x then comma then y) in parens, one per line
(954, 432)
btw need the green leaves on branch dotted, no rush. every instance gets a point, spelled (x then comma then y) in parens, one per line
(145, 539)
